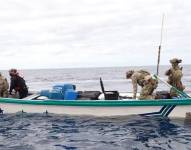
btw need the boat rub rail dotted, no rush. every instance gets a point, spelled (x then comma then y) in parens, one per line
(99, 103)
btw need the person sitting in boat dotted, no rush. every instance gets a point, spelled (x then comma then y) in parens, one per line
(145, 80)
(4, 86)
(174, 76)
(18, 84)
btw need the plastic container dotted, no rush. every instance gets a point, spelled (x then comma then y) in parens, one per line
(70, 94)
(63, 87)
(56, 94)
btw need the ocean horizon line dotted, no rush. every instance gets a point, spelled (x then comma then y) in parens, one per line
(89, 67)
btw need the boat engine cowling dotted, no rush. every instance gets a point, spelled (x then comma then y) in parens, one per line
(61, 92)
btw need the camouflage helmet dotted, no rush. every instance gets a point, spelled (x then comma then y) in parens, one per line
(175, 61)
(129, 74)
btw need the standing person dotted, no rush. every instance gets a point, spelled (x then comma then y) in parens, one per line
(4, 86)
(174, 76)
(18, 84)
(145, 80)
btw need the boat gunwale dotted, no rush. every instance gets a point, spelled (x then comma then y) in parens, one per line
(99, 103)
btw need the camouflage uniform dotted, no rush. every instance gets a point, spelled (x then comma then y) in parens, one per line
(145, 80)
(4, 86)
(174, 76)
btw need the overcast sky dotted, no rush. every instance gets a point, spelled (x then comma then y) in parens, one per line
(92, 33)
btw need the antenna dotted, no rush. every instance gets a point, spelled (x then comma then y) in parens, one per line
(160, 45)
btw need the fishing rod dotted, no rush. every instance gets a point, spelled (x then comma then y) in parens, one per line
(160, 45)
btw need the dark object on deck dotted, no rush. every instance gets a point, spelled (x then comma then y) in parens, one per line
(162, 95)
(89, 95)
(109, 95)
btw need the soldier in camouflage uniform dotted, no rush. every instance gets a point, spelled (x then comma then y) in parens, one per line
(4, 86)
(174, 76)
(145, 80)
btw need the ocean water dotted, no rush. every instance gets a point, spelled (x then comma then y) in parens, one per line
(24, 131)
(53, 132)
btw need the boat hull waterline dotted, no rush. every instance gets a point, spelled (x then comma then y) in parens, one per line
(101, 108)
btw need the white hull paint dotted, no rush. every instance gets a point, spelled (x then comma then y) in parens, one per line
(79, 110)
(179, 111)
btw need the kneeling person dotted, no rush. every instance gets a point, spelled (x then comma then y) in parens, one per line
(18, 84)
(4, 86)
(145, 80)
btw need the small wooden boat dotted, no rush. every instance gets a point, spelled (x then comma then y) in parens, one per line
(165, 108)
(111, 105)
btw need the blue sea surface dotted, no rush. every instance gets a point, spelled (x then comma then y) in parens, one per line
(52, 132)
(25, 131)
